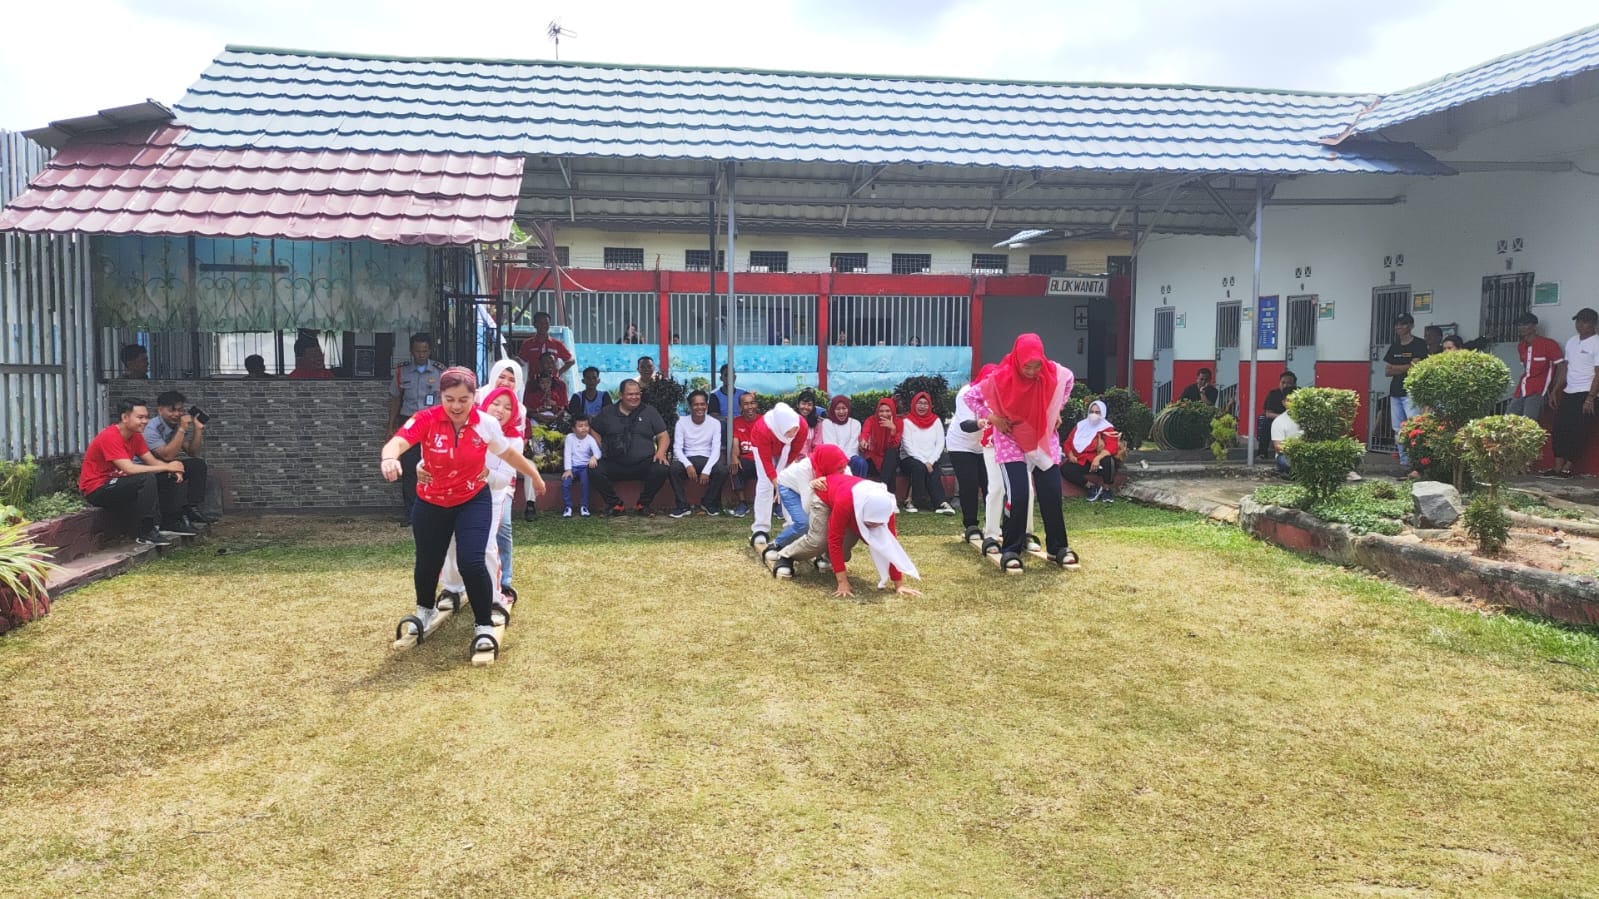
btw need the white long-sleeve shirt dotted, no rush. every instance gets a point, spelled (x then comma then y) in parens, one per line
(846, 436)
(797, 477)
(703, 439)
(579, 452)
(923, 444)
(957, 440)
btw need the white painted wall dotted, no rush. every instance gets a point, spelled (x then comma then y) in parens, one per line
(1447, 231)
(810, 253)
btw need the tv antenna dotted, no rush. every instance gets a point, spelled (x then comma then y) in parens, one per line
(556, 31)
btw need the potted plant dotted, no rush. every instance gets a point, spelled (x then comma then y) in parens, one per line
(23, 571)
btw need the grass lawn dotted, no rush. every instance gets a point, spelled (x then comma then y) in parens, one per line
(1193, 714)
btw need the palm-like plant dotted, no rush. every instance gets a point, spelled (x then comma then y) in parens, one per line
(23, 570)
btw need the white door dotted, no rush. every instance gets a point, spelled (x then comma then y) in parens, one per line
(1301, 344)
(1228, 318)
(1387, 303)
(1165, 337)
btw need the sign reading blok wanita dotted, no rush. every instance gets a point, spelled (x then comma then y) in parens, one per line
(1079, 287)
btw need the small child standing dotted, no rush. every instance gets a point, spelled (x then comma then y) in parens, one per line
(582, 454)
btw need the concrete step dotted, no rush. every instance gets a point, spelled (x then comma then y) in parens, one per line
(104, 563)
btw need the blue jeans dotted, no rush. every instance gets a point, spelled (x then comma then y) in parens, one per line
(503, 538)
(1399, 409)
(858, 466)
(1282, 464)
(576, 488)
(798, 519)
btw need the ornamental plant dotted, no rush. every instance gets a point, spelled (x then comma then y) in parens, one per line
(546, 448)
(935, 386)
(23, 570)
(1458, 387)
(1321, 459)
(1495, 448)
(1223, 434)
(1184, 425)
(1429, 444)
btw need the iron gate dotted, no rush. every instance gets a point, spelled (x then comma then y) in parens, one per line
(1387, 303)
(1165, 335)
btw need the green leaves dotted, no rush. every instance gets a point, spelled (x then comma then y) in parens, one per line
(1322, 466)
(1323, 413)
(1499, 446)
(1458, 386)
(23, 569)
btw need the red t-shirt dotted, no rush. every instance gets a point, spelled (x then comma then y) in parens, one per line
(310, 374)
(536, 401)
(743, 431)
(771, 445)
(1537, 364)
(107, 445)
(839, 497)
(536, 346)
(455, 461)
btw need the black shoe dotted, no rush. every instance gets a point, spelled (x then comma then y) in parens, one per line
(682, 511)
(642, 512)
(197, 517)
(529, 512)
(152, 537)
(179, 528)
(618, 510)
(711, 511)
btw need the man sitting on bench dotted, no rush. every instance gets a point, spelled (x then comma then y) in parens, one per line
(633, 444)
(113, 478)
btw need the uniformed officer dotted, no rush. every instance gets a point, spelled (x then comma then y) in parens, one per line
(415, 387)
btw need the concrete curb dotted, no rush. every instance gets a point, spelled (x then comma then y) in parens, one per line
(1148, 493)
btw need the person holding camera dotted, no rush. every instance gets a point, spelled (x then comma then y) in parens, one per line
(176, 435)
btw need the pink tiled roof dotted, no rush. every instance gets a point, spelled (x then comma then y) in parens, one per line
(140, 181)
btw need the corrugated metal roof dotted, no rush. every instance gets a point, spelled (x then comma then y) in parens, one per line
(1562, 57)
(144, 181)
(251, 97)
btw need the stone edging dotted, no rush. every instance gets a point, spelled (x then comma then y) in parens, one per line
(1145, 492)
(1563, 597)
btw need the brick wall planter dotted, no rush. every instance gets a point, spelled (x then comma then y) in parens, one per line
(74, 536)
(1563, 597)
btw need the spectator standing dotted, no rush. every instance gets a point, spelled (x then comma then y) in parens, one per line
(1434, 336)
(415, 387)
(591, 399)
(1202, 390)
(309, 362)
(173, 435)
(1276, 404)
(697, 456)
(1539, 356)
(582, 455)
(135, 363)
(113, 478)
(634, 440)
(534, 348)
(631, 335)
(922, 448)
(727, 399)
(743, 431)
(646, 370)
(1573, 395)
(1405, 351)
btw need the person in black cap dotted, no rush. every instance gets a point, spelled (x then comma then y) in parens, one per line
(1573, 395)
(1406, 350)
(1539, 355)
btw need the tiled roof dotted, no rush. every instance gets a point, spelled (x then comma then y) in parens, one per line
(144, 181)
(279, 98)
(1562, 57)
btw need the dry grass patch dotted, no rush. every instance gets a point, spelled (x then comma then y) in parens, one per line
(1192, 714)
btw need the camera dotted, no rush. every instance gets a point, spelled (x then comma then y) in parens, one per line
(198, 414)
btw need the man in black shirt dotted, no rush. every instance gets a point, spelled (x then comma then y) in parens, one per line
(633, 445)
(1407, 349)
(1276, 404)
(1201, 391)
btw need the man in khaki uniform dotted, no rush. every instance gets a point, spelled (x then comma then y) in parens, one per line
(415, 387)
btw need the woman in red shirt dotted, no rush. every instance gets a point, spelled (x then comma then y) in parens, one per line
(1092, 449)
(776, 439)
(456, 440)
(862, 510)
(880, 439)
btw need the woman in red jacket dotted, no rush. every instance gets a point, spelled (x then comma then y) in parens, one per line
(776, 439)
(861, 510)
(456, 440)
(880, 439)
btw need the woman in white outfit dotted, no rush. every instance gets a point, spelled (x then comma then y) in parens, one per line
(776, 440)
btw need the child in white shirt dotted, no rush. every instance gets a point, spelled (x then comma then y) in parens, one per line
(582, 455)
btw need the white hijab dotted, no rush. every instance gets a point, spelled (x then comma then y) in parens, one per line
(778, 421)
(494, 375)
(1085, 432)
(874, 506)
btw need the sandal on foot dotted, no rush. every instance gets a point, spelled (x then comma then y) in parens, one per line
(784, 568)
(1010, 562)
(1065, 559)
(1033, 543)
(973, 532)
(448, 601)
(485, 643)
(501, 615)
(990, 546)
(508, 594)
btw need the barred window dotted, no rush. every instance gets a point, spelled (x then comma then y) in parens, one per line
(1046, 264)
(990, 263)
(700, 260)
(631, 258)
(911, 263)
(848, 262)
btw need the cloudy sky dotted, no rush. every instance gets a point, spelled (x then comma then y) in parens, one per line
(67, 59)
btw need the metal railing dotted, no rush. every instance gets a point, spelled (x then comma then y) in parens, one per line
(594, 317)
(899, 320)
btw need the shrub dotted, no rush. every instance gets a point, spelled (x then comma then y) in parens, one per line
(1132, 419)
(665, 395)
(1321, 466)
(935, 386)
(53, 505)
(1184, 425)
(23, 569)
(1498, 447)
(1223, 434)
(546, 447)
(1487, 523)
(1429, 444)
(1376, 507)
(1458, 386)
(862, 405)
(1323, 413)
(16, 481)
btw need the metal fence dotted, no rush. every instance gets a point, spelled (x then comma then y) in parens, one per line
(763, 319)
(900, 321)
(594, 317)
(47, 346)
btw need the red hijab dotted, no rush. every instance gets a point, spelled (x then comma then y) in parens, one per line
(827, 459)
(874, 443)
(922, 421)
(832, 408)
(1029, 403)
(512, 428)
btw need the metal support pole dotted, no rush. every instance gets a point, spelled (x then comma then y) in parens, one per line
(732, 318)
(710, 268)
(1254, 328)
(1132, 308)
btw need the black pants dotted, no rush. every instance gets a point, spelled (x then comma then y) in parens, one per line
(136, 499)
(888, 472)
(408, 462)
(468, 523)
(194, 475)
(971, 479)
(743, 476)
(1073, 473)
(1572, 427)
(653, 474)
(926, 486)
(1046, 485)
(712, 497)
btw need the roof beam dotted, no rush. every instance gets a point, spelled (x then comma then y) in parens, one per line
(1222, 205)
(1150, 229)
(1106, 205)
(1126, 204)
(857, 186)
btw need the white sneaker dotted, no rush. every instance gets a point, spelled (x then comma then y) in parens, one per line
(584, 511)
(567, 513)
(425, 616)
(944, 509)
(910, 507)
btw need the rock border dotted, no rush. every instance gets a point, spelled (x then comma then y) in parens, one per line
(1573, 599)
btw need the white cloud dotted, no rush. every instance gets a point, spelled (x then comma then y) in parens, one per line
(103, 53)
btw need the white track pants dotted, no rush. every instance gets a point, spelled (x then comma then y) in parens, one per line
(994, 511)
(450, 576)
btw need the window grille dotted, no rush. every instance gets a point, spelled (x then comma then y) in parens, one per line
(769, 260)
(1046, 264)
(848, 262)
(911, 263)
(700, 260)
(1504, 299)
(629, 258)
(990, 263)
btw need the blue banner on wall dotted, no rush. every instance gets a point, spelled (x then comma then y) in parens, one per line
(1266, 323)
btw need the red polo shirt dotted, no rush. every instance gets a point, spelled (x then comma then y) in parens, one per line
(108, 445)
(455, 459)
(1538, 360)
(536, 346)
